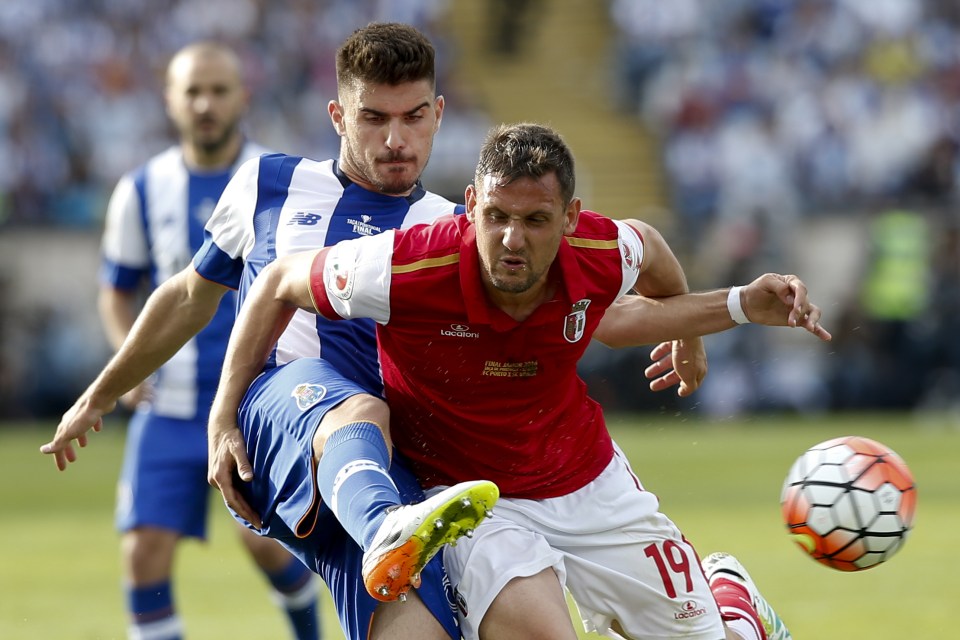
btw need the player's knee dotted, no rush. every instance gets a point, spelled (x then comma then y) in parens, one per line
(358, 408)
(148, 554)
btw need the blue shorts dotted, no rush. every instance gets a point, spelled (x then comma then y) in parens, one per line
(279, 416)
(163, 482)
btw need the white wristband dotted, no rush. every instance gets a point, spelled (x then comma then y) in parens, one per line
(734, 306)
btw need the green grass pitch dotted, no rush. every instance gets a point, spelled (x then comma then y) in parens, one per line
(720, 482)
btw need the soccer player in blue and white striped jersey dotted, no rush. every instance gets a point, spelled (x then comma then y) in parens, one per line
(154, 225)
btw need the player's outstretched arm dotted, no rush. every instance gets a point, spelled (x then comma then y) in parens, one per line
(175, 312)
(772, 299)
(281, 288)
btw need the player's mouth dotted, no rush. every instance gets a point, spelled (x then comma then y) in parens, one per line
(513, 264)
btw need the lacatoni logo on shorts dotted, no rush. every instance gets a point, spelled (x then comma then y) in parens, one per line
(307, 394)
(459, 331)
(576, 321)
(689, 609)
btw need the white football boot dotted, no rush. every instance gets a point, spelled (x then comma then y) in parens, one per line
(412, 534)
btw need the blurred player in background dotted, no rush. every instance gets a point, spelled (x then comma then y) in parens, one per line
(154, 225)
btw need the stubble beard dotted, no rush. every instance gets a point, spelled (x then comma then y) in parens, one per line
(211, 146)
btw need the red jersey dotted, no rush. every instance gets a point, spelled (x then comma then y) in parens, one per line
(473, 393)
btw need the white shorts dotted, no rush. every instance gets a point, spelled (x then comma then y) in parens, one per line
(620, 558)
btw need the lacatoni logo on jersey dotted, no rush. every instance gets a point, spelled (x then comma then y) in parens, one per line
(362, 227)
(304, 218)
(459, 331)
(576, 321)
(307, 394)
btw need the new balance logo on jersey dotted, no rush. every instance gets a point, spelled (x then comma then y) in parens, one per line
(362, 227)
(304, 218)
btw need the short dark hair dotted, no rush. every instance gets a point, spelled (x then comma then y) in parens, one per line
(385, 53)
(526, 150)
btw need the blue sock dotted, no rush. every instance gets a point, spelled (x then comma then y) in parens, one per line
(353, 479)
(152, 613)
(296, 592)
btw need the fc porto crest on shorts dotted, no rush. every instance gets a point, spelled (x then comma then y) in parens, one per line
(576, 321)
(307, 394)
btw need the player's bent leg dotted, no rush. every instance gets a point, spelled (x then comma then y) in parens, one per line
(293, 587)
(529, 608)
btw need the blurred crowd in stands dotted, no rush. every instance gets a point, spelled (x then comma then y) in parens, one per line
(773, 116)
(80, 87)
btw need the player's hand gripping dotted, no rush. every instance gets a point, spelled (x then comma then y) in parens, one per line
(227, 465)
(682, 362)
(83, 416)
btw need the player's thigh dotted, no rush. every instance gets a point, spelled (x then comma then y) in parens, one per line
(529, 608)
(410, 620)
(651, 586)
(279, 417)
(481, 567)
(625, 560)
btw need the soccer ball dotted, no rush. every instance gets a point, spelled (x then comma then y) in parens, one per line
(849, 502)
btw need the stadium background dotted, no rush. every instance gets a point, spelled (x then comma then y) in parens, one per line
(810, 136)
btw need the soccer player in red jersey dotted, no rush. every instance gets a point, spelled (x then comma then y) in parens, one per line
(481, 321)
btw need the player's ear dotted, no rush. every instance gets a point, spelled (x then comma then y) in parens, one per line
(572, 216)
(335, 109)
(470, 201)
(438, 110)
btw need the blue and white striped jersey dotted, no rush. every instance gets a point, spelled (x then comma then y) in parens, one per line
(154, 225)
(277, 205)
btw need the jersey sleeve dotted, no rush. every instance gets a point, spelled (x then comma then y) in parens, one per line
(631, 255)
(229, 233)
(352, 279)
(125, 253)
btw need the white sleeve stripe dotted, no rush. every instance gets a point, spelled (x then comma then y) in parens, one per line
(631, 256)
